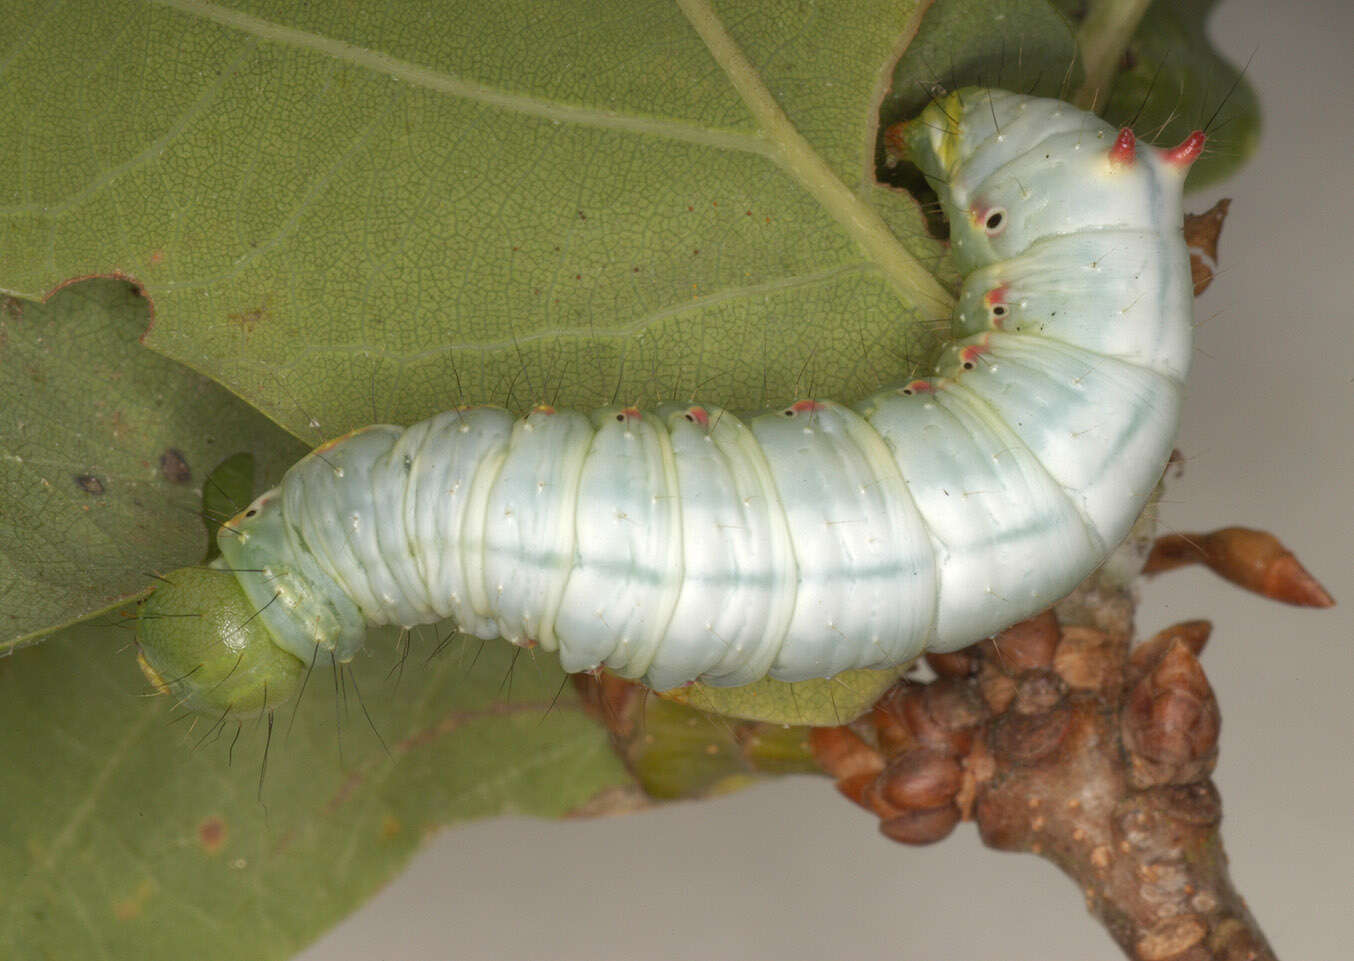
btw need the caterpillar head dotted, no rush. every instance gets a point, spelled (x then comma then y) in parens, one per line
(1010, 170)
(201, 642)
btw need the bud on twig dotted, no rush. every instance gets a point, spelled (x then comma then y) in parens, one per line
(1090, 660)
(1201, 236)
(1170, 722)
(939, 716)
(920, 779)
(1255, 560)
(1193, 634)
(842, 752)
(921, 827)
(961, 663)
(1026, 645)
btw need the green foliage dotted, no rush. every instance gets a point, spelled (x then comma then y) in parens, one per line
(820, 702)
(1010, 44)
(103, 447)
(128, 836)
(346, 217)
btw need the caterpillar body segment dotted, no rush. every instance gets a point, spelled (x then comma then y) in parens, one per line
(689, 544)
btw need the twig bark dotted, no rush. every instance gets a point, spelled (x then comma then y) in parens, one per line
(1065, 741)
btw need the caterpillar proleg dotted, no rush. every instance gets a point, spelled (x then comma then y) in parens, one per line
(688, 544)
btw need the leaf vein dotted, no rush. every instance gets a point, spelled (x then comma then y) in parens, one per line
(432, 79)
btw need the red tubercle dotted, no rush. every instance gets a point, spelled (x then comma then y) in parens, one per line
(807, 406)
(995, 302)
(1125, 149)
(543, 409)
(698, 415)
(918, 387)
(1187, 152)
(630, 413)
(968, 356)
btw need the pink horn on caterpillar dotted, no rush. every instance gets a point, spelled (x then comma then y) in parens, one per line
(1187, 152)
(1125, 149)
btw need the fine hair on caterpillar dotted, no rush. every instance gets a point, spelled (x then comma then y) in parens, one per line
(686, 544)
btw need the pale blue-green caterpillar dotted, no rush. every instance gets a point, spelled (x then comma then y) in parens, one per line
(686, 544)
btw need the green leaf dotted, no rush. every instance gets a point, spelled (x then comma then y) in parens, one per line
(103, 450)
(821, 701)
(1171, 80)
(348, 214)
(677, 752)
(128, 836)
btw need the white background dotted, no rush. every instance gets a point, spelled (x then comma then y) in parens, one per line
(791, 870)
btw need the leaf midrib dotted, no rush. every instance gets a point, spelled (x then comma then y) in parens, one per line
(778, 140)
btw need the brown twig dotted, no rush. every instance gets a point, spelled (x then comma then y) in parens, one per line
(1065, 741)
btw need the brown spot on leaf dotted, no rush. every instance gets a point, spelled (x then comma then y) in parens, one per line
(12, 308)
(130, 908)
(89, 483)
(249, 319)
(391, 828)
(211, 834)
(173, 467)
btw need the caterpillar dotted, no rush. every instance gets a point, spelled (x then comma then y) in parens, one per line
(688, 544)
